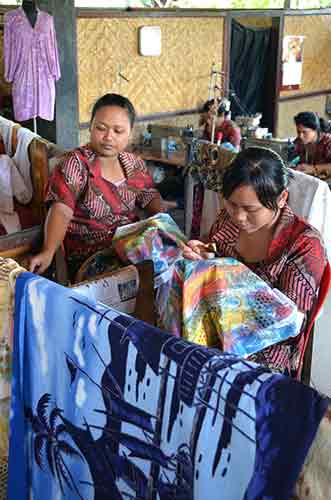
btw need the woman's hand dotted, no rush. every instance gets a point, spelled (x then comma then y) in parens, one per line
(306, 168)
(196, 250)
(40, 262)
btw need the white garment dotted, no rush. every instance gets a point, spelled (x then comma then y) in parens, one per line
(15, 174)
(212, 205)
(310, 198)
(21, 156)
(11, 185)
(6, 131)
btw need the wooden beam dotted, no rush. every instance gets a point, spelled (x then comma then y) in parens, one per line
(304, 95)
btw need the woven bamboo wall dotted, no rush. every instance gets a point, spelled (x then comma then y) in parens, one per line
(316, 50)
(178, 79)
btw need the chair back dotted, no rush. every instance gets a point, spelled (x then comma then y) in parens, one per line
(308, 337)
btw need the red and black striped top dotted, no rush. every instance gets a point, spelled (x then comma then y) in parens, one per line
(99, 206)
(294, 265)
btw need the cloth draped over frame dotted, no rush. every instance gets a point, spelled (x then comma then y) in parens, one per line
(15, 174)
(107, 407)
(9, 269)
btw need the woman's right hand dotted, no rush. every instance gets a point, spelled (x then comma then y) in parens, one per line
(40, 262)
(196, 250)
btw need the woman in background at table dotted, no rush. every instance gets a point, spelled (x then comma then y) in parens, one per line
(313, 144)
(96, 188)
(226, 131)
(258, 228)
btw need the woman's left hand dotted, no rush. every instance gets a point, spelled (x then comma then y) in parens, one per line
(306, 168)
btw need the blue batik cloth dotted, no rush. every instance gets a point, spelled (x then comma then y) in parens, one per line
(106, 407)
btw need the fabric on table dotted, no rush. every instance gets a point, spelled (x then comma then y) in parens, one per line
(107, 407)
(221, 303)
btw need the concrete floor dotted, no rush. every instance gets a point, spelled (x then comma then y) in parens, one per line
(321, 363)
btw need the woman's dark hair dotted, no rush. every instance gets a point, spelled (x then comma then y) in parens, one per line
(263, 170)
(207, 105)
(115, 100)
(311, 120)
(220, 111)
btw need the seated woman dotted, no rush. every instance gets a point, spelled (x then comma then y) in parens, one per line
(225, 129)
(313, 144)
(96, 188)
(258, 228)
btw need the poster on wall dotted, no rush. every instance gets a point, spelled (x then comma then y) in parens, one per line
(292, 60)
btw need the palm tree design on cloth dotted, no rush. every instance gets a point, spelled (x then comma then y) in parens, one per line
(48, 443)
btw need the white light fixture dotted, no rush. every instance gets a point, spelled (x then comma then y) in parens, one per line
(150, 41)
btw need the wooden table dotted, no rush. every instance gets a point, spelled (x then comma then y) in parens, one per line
(176, 159)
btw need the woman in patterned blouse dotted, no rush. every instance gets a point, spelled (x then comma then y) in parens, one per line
(96, 188)
(313, 144)
(258, 228)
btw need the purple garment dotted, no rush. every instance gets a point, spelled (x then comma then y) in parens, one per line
(31, 64)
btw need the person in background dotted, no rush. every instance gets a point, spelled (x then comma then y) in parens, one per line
(258, 228)
(96, 188)
(313, 144)
(226, 131)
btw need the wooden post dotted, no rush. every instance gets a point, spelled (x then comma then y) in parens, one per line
(63, 11)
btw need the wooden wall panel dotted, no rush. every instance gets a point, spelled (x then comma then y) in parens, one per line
(178, 79)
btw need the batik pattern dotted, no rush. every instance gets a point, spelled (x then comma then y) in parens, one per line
(221, 303)
(157, 238)
(106, 407)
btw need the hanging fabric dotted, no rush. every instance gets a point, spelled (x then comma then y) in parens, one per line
(107, 407)
(248, 64)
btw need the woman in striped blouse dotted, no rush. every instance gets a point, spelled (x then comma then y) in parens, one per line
(96, 188)
(258, 228)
